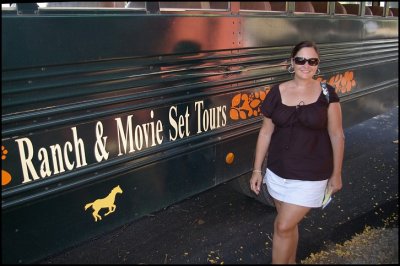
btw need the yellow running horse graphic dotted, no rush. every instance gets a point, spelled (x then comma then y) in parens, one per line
(107, 202)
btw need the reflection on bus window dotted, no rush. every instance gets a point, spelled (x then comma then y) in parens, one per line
(263, 6)
(138, 5)
(185, 5)
(393, 6)
(85, 4)
(353, 8)
(371, 8)
(379, 11)
(193, 5)
(395, 11)
(340, 9)
(219, 5)
(322, 7)
(7, 6)
(305, 7)
(278, 6)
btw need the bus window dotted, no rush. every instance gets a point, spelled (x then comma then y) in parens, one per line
(379, 8)
(219, 5)
(322, 7)
(266, 6)
(354, 9)
(7, 6)
(86, 4)
(136, 5)
(393, 6)
(379, 11)
(339, 8)
(368, 11)
(278, 6)
(185, 5)
(305, 7)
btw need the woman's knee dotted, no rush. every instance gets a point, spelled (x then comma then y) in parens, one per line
(284, 228)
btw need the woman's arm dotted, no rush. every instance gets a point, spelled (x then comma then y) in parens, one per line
(264, 138)
(335, 130)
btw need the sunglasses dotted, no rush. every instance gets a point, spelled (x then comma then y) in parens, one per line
(302, 61)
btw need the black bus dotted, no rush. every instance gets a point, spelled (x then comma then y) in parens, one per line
(113, 110)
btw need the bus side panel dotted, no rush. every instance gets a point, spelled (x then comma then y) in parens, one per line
(52, 39)
(372, 104)
(376, 91)
(235, 156)
(35, 230)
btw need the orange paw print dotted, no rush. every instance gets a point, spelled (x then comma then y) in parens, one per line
(247, 105)
(342, 82)
(5, 176)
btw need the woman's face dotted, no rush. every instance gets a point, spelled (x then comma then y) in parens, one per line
(305, 69)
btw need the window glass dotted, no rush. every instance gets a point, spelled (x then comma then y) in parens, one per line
(340, 9)
(82, 5)
(138, 5)
(391, 4)
(320, 6)
(394, 8)
(255, 6)
(352, 8)
(196, 5)
(379, 10)
(304, 7)
(278, 6)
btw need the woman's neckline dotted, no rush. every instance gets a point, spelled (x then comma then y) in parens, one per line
(280, 100)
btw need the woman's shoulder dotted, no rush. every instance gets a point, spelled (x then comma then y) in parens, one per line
(274, 90)
(271, 100)
(284, 85)
(276, 86)
(333, 96)
(279, 88)
(328, 86)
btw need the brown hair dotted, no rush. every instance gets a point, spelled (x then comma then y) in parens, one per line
(304, 44)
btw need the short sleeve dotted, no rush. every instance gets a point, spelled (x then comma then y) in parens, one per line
(270, 101)
(333, 97)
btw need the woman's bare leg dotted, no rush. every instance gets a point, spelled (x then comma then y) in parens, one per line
(292, 259)
(286, 234)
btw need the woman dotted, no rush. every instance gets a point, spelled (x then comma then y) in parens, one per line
(302, 135)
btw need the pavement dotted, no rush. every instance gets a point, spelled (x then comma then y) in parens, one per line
(223, 226)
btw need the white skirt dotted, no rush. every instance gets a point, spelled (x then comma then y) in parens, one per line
(298, 192)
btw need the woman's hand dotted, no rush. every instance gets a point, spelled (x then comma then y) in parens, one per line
(255, 182)
(335, 183)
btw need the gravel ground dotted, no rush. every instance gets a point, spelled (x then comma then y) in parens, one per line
(372, 246)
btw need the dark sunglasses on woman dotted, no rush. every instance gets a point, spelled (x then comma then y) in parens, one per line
(302, 61)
